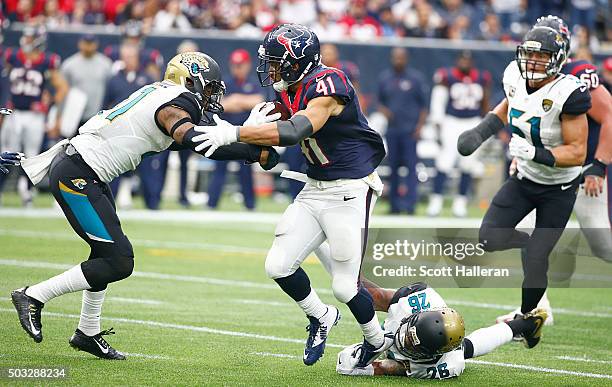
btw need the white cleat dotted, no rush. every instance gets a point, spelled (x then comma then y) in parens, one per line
(460, 206)
(436, 202)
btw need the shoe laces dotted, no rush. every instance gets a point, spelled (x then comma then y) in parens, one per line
(101, 340)
(315, 327)
(35, 314)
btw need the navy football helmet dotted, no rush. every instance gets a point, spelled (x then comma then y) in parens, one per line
(557, 24)
(541, 40)
(287, 54)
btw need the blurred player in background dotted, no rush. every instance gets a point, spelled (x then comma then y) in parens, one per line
(31, 71)
(429, 337)
(156, 117)
(459, 99)
(402, 99)
(547, 113)
(342, 185)
(150, 59)
(243, 93)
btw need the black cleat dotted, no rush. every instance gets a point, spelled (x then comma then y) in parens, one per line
(368, 353)
(96, 345)
(539, 317)
(28, 310)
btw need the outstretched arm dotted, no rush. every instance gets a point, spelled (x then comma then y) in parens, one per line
(492, 123)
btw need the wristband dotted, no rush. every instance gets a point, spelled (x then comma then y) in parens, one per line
(544, 156)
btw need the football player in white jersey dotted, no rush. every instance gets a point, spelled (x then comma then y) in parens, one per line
(113, 142)
(591, 207)
(429, 337)
(546, 111)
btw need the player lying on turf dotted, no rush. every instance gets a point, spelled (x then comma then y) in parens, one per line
(154, 118)
(429, 337)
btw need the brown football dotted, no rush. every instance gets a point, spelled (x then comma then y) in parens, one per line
(282, 109)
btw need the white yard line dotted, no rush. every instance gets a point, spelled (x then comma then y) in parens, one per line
(281, 355)
(144, 355)
(259, 285)
(583, 359)
(139, 242)
(260, 302)
(301, 341)
(541, 369)
(135, 301)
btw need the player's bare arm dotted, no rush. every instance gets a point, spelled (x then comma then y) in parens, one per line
(61, 90)
(390, 367)
(290, 132)
(573, 152)
(178, 125)
(601, 112)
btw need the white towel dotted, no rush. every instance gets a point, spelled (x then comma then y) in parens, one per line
(294, 176)
(37, 167)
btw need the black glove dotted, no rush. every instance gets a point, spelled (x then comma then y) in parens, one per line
(273, 158)
(596, 168)
(9, 158)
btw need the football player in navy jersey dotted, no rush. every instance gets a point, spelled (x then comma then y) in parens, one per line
(342, 153)
(458, 101)
(30, 69)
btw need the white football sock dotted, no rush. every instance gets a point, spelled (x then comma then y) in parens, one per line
(487, 339)
(70, 281)
(89, 323)
(313, 306)
(373, 333)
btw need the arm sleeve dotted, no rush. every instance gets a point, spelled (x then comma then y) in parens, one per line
(579, 102)
(185, 101)
(236, 151)
(331, 83)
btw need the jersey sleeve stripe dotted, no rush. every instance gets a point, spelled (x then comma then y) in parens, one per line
(582, 67)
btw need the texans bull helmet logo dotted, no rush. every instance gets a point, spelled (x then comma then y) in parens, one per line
(295, 45)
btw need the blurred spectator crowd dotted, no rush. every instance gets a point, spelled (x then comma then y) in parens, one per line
(492, 20)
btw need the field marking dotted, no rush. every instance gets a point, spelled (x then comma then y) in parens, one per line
(139, 242)
(541, 369)
(583, 359)
(280, 355)
(135, 300)
(145, 356)
(259, 302)
(297, 341)
(259, 285)
(513, 307)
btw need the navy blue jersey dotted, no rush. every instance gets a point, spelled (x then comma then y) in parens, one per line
(345, 147)
(28, 78)
(404, 94)
(233, 86)
(147, 56)
(465, 90)
(587, 73)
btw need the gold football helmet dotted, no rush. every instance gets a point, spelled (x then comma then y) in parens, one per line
(427, 334)
(201, 75)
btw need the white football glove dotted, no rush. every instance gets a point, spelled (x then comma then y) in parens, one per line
(215, 136)
(519, 147)
(347, 359)
(259, 114)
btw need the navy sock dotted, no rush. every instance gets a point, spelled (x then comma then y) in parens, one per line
(297, 285)
(439, 181)
(362, 306)
(465, 183)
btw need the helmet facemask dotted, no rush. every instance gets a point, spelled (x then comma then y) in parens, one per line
(278, 72)
(537, 69)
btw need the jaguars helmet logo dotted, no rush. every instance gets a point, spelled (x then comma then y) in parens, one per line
(547, 104)
(79, 183)
(195, 63)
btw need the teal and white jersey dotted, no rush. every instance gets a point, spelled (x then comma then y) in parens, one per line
(114, 141)
(536, 116)
(448, 365)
